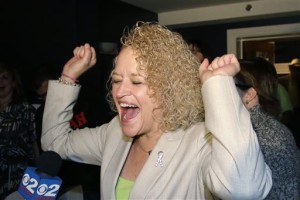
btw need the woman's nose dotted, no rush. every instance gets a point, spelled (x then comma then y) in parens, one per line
(123, 89)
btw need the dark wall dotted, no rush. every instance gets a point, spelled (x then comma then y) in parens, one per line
(44, 33)
(214, 36)
(34, 32)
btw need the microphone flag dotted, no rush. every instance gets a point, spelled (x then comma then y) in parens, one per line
(42, 182)
(39, 186)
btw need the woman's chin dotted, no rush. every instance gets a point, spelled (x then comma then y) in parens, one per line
(129, 133)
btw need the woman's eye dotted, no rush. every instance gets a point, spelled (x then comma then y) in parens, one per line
(137, 82)
(115, 81)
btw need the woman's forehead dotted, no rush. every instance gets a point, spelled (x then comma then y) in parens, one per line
(127, 60)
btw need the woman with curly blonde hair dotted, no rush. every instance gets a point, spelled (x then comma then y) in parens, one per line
(172, 75)
(158, 146)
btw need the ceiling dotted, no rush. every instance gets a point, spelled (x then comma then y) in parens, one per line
(182, 13)
(159, 6)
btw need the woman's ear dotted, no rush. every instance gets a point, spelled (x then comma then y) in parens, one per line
(250, 98)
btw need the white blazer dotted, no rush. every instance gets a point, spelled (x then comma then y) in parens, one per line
(225, 162)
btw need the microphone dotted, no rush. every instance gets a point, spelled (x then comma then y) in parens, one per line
(41, 182)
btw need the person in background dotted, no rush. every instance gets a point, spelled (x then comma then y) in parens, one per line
(257, 84)
(292, 83)
(43, 74)
(18, 147)
(286, 108)
(198, 50)
(158, 145)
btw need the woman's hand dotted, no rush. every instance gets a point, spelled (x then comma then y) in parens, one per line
(84, 58)
(227, 65)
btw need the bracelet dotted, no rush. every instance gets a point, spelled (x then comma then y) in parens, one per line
(73, 79)
(63, 81)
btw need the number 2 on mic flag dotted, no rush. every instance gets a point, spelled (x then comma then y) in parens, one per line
(35, 186)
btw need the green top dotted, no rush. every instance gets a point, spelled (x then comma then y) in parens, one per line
(123, 188)
(284, 100)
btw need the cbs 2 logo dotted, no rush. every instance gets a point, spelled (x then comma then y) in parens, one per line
(43, 189)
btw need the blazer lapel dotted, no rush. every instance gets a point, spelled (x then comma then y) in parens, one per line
(115, 165)
(156, 163)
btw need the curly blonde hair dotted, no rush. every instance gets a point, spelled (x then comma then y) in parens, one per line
(171, 72)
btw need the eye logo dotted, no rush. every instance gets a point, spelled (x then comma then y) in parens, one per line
(42, 189)
(25, 179)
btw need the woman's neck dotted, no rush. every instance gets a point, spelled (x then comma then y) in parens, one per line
(146, 143)
(4, 102)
